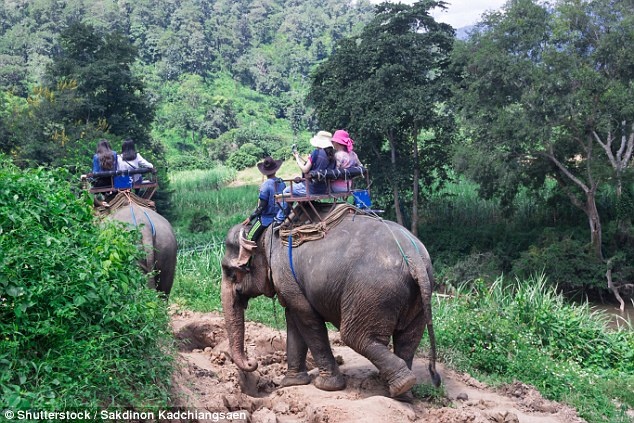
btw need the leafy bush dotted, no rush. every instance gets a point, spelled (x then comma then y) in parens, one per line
(476, 265)
(189, 162)
(569, 264)
(246, 156)
(79, 327)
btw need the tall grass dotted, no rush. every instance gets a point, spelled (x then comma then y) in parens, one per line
(198, 179)
(526, 331)
(211, 211)
(205, 207)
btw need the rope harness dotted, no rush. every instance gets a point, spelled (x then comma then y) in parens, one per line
(128, 198)
(121, 199)
(296, 236)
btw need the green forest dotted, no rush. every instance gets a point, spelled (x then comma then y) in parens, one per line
(508, 153)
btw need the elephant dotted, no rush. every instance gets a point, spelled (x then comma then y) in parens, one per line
(158, 240)
(369, 277)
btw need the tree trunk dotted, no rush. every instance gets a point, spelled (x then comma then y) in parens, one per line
(590, 205)
(615, 290)
(415, 189)
(397, 202)
(595, 222)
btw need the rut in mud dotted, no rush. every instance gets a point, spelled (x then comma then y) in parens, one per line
(208, 380)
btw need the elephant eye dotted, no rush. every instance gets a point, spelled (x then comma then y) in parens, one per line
(229, 273)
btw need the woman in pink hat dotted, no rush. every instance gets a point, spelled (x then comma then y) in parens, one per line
(345, 158)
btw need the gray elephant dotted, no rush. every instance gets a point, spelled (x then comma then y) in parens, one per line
(370, 278)
(159, 242)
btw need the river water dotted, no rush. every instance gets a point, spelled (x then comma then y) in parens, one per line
(616, 317)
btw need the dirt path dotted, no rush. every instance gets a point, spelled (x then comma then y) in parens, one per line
(208, 380)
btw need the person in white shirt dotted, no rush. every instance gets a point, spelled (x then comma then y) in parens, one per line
(129, 159)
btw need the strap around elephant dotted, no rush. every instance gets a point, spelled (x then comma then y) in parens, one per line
(151, 223)
(411, 239)
(290, 259)
(148, 218)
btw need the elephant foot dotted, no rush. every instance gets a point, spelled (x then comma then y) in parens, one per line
(330, 383)
(295, 378)
(407, 397)
(402, 382)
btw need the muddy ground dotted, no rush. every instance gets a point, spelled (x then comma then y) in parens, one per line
(208, 380)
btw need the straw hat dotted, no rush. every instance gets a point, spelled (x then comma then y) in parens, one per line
(322, 139)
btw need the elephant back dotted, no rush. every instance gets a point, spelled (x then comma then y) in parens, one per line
(158, 239)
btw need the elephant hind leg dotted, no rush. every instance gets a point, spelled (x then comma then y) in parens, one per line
(406, 341)
(393, 369)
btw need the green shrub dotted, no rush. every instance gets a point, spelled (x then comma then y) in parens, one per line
(569, 264)
(476, 265)
(189, 162)
(246, 156)
(79, 327)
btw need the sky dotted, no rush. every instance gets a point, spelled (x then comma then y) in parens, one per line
(461, 13)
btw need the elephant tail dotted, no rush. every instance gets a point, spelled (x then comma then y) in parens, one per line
(423, 275)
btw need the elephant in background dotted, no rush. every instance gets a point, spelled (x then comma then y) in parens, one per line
(370, 278)
(159, 243)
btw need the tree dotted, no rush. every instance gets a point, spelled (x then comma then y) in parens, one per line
(386, 87)
(546, 93)
(100, 64)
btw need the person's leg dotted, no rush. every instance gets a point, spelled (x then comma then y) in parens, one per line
(299, 189)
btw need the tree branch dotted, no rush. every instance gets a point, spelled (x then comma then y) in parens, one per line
(630, 147)
(573, 199)
(606, 147)
(551, 156)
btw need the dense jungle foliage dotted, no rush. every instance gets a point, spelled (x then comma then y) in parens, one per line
(79, 327)
(508, 153)
(198, 84)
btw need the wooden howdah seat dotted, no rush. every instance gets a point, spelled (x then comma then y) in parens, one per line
(119, 180)
(329, 200)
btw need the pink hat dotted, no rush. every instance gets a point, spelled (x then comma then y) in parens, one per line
(342, 137)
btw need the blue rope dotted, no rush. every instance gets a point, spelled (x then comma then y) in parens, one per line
(290, 257)
(148, 218)
(151, 224)
(133, 216)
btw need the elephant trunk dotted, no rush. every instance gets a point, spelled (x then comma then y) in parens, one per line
(234, 322)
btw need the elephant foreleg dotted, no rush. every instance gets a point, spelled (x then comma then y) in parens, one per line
(296, 350)
(312, 330)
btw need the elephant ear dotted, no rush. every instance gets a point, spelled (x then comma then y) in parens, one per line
(232, 250)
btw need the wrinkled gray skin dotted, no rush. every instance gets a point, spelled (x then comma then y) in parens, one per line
(161, 247)
(357, 279)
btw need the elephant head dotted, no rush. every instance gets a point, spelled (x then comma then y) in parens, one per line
(237, 287)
